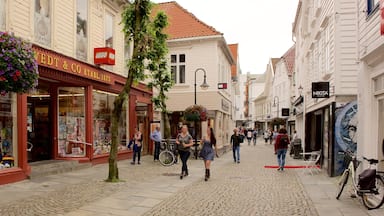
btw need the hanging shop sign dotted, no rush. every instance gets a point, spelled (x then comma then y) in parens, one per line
(320, 90)
(222, 85)
(285, 111)
(104, 55)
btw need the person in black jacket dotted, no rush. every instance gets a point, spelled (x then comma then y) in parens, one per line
(235, 142)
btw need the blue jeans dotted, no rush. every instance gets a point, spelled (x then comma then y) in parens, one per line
(236, 152)
(281, 157)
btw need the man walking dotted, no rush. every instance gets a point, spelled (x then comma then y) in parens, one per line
(156, 137)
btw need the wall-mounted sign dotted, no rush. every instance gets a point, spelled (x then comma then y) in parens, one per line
(49, 59)
(222, 85)
(320, 90)
(104, 55)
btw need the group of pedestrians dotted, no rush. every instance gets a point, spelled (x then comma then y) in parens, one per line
(184, 142)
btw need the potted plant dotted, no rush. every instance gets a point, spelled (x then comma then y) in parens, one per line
(18, 66)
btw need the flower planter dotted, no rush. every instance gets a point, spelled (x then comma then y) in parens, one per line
(18, 66)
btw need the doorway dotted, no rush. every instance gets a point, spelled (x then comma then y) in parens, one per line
(39, 128)
(381, 133)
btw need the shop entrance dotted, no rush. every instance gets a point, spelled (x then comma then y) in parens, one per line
(39, 125)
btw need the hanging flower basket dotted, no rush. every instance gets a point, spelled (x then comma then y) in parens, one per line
(195, 113)
(18, 66)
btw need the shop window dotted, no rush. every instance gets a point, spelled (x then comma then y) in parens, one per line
(8, 131)
(81, 30)
(71, 122)
(42, 22)
(2, 15)
(102, 123)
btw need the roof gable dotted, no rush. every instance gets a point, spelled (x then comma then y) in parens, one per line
(183, 24)
(289, 60)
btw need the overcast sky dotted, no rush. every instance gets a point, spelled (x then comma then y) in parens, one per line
(262, 28)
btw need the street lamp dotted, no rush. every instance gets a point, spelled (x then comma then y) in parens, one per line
(203, 86)
(276, 104)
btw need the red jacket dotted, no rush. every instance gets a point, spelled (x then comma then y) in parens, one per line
(277, 142)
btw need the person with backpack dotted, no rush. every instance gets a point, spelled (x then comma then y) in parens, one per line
(281, 146)
(254, 136)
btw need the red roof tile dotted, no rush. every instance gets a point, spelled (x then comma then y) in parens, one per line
(183, 24)
(234, 50)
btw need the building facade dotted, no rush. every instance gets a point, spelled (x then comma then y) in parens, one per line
(371, 80)
(326, 78)
(68, 115)
(198, 53)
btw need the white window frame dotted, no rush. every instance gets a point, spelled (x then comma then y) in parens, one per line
(177, 64)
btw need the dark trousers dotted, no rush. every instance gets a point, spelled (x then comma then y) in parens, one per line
(137, 152)
(184, 155)
(157, 151)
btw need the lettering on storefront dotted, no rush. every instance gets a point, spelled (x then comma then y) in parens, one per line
(57, 62)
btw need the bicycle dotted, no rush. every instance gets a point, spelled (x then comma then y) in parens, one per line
(372, 195)
(166, 156)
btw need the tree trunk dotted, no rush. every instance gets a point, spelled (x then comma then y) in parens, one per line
(167, 126)
(113, 174)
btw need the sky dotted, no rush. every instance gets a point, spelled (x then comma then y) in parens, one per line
(262, 28)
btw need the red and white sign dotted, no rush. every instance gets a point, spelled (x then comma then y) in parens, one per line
(104, 55)
(382, 17)
(222, 85)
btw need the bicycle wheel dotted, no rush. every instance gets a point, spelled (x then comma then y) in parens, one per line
(342, 182)
(166, 158)
(375, 199)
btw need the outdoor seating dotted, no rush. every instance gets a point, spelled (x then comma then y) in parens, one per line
(312, 160)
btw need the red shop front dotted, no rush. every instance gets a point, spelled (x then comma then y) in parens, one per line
(68, 116)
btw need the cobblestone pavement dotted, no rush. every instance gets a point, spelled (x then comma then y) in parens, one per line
(151, 189)
(241, 189)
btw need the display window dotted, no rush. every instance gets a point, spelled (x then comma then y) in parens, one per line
(71, 122)
(102, 123)
(8, 131)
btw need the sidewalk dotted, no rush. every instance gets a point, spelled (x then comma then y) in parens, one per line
(151, 189)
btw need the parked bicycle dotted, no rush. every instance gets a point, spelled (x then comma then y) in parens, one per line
(166, 156)
(369, 185)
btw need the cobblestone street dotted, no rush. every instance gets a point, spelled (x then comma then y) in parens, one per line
(151, 189)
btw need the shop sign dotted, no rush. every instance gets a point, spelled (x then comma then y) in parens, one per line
(381, 17)
(285, 111)
(104, 55)
(58, 62)
(224, 105)
(320, 90)
(222, 85)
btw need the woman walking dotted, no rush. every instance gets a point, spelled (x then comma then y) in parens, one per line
(184, 143)
(207, 152)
